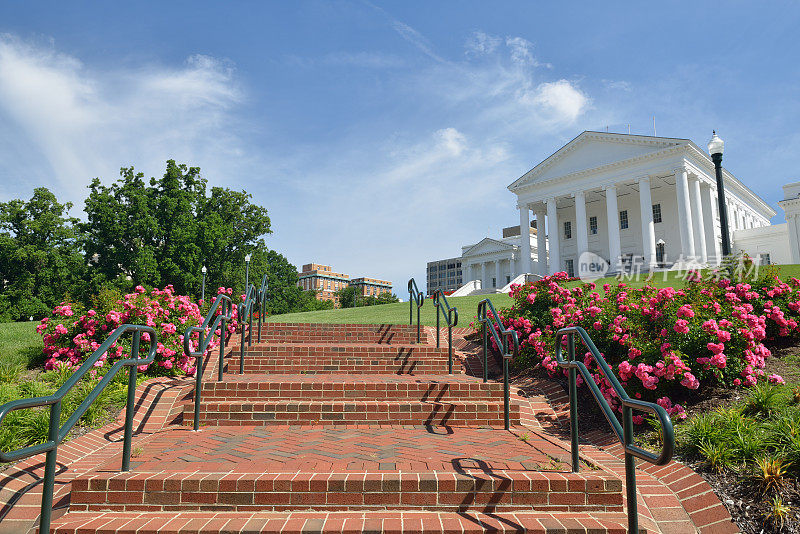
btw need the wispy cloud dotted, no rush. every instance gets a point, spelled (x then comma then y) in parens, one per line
(81, 122)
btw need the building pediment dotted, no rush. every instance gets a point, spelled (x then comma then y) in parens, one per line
(487, 246)
(591, 150)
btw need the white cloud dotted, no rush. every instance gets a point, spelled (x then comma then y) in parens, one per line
(481, 43)
(81, 122)
(562, 99)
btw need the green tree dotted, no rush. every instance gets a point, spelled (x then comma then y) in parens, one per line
(164, 231)
(350, 297)
(40, 257)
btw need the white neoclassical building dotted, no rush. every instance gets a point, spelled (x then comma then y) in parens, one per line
(495, 262)
(629, 198)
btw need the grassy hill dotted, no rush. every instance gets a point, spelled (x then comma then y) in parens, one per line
(394, 313)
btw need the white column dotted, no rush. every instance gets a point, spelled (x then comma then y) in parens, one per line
(553, 236)
(684, 213)
(709, 223)
(648, 227)
(484, 285)
(497, 274)
(525, 239)
(541, 241)
(612, 214)
(581, 224)
(794, 243)
(697, 219)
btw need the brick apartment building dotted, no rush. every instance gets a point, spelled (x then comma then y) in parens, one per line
(371, 287)
(326, 282)
(322, 279)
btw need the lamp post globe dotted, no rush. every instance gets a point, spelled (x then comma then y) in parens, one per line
(715, 149)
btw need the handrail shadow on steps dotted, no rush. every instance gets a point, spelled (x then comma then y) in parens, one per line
(56, 434)
(623, 432)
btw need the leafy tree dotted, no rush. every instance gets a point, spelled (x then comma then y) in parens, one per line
(349, 297)
(40, 258)
(165, 231)
(309, 302)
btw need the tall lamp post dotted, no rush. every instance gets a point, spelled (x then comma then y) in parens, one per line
(246, 273)
(203, 290)
(715, 148)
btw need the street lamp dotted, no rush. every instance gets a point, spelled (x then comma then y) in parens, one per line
(203, 291)
(715, 148)
(246, 273)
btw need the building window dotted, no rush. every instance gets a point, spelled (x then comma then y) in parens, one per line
(494, 282)
(656, 213)
(660, 254)
(567, 230)
(508, 279)
(570, 264)
(623, 220)
(593, 225)
(765, 259)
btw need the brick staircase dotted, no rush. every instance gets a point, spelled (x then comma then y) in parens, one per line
(346, 428)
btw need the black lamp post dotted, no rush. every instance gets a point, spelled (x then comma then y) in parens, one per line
(203, 291)
(715, 147)
(246, 273)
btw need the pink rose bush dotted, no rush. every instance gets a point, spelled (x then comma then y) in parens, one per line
(664, 344)
(71, 334)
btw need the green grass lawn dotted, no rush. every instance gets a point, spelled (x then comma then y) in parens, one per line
(394, 313)
(20, 345)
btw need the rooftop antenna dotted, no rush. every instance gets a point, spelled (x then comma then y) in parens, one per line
(629, 129)
(654, 126)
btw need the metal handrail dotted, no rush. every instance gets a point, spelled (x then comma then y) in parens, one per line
(451, 316)
(501, 336)
(56, 434)
(623, 432)
(414, 296)
(262, 302)
(246, 319)
(203, 342)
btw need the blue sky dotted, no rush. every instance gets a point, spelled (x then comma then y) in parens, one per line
(383, 135)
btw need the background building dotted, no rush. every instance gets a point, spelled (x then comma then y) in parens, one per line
(323, 280)
(444, 275)
(326, 283)
(371, 287)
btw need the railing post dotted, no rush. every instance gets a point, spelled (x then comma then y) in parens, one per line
(198, 380)
(222, 333)
(50, 468)
(411, 300)
(128, 434)
(260, 315)
(485, 349)
(630, 471)
(241, 351)
(449, 346)
(573, 403)
(437, 311)
(506, 389)
(418, 307)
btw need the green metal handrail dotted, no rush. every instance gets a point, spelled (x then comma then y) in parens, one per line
(262, 302)
(56, 434)
(451, 316)
(623, 432)
(245, 317)
(414, 296)
(203, 342)
(490, 322)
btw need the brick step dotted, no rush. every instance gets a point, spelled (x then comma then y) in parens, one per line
(467, 490)
(305, 358)
(458, 413)
(338, 333)
(394, 522)
(440, 388)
